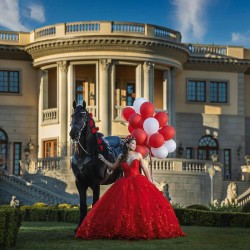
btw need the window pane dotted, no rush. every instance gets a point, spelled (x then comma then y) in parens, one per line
(9, 81)
(218, 92)
(196, 91)
(17, 158)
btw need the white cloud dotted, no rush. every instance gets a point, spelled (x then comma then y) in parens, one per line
(12, 17)
(35, 12)
(191, 19)
(237, 37)
(9, 15)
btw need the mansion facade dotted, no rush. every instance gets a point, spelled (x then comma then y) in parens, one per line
(204, 88)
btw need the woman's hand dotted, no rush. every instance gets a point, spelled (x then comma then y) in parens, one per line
(101, 158)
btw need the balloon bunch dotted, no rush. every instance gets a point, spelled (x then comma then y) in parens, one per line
(152, 132)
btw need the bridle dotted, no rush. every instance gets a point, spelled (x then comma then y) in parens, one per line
(76, 141)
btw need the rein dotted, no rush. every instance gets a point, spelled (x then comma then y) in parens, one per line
(77, 141)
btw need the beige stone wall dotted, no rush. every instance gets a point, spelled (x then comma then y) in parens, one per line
(247, 95)
(227, 109)
(28, 84)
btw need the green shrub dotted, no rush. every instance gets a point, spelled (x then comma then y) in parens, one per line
(10, 222)
(176, 205)
(64, 205)
(39, 204)
(210, 218)
(232, 207)
(246, 208)
(198, 207)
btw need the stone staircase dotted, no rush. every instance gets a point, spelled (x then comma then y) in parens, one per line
(243, 190)
(28, 193)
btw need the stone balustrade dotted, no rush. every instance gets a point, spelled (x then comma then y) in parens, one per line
(50, 116)
(204, 49)
(48, 164)
(34, 192)
(100, 28)
(244, 198)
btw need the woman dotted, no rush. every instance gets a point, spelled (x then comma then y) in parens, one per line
(132, 208)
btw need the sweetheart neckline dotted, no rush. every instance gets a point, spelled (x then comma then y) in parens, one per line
(131, 161)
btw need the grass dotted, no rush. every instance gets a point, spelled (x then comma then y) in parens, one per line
(58, 235)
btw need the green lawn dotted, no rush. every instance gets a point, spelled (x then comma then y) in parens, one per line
(57, 235)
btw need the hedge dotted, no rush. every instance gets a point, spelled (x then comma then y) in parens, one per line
(185, 216)
(10, 222)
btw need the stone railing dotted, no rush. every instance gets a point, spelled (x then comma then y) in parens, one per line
(33, 192)
(48, 164)
(204, 49)
(175, 164)
(9, 36)
(100, 28)
(50, 116)
(244, 198)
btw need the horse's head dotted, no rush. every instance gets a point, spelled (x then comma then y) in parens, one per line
(79, 120)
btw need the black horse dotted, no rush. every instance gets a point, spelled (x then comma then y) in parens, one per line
(88, 170)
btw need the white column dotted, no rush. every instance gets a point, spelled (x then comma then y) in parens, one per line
(105, 97)
(165, 90)
(138, 82)
(63, 143)
(148, 86)
(171, 96)
(43, 103)
(70, 98)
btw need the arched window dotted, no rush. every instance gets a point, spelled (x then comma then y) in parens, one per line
(3, 149)
(207, 146)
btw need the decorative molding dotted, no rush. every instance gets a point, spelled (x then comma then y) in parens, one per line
(105, 63)
(219, 65)
(11, 52)
(63, 66)
(147, 46)
(147, 67)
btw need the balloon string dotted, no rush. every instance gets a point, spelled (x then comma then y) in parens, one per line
(150, 164)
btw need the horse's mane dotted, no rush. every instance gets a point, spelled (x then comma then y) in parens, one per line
(91, 137)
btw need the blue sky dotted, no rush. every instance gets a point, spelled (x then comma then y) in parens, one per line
(221, 22)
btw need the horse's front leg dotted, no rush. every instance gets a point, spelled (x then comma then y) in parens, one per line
(82, 189)
(96, 190)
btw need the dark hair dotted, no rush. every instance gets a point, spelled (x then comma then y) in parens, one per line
(127, 140)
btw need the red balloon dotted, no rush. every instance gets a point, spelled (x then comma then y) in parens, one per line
(130, 128)
(140, 136)
(141, 149)
(156, 140)
(162, 118)
(136, 121)
(147, 110)
(167, 131)
(127, 112)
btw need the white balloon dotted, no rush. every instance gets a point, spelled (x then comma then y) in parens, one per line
(137, 104)
(151, 126)
(161, 152)
(170, 145)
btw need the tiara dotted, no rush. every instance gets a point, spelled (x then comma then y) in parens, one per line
(129, 137)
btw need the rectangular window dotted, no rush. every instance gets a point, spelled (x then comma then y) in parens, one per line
(17, 158)
(189, 153)
(85, 91)
(9, 81)
(227, 164)
(130, 94)
(196, 91)
(218, 92)
(50, 148)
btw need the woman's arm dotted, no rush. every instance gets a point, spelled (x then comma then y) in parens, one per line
(111, 166)
(144, 168)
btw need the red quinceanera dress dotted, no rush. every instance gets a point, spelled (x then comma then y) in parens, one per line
(132, 208)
